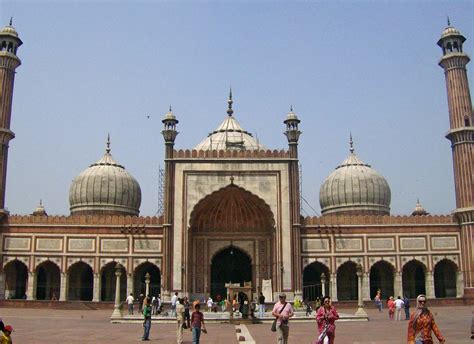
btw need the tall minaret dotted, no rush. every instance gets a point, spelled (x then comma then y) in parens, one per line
(461, 135)
(293, 134)
(9, 43)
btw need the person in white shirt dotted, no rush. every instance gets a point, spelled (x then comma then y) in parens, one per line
(398, 307)
(209, 304)
(129, 301)
(174, 299)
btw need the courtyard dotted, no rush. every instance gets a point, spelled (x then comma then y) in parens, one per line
(92, 326)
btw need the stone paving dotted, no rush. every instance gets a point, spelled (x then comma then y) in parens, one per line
(93, 326)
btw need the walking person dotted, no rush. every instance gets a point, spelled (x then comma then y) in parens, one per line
(187, 315)
(129, 301)
(398, 308)
(197, 323)
(146, 319)
(261, 305)
(283, 311)
(141, 298)
(422, 323)
(180, 320)
(174, 299)
(391, 308)
(378, 302)
(326, 318)
(209, 304)
(5, 336)
(406, 305)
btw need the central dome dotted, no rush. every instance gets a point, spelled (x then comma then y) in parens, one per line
(105, 188)
(355, 188)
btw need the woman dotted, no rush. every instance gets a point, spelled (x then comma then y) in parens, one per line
(391, 308)
(326, 318)
(422, 323)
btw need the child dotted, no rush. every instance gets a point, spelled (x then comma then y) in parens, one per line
(5, 338)
(197, 321)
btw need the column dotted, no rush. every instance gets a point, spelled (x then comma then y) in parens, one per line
(96, 288)
(2, 285)
(333, 283)
(117, 310)
(429, 285)
(147, 284)
(360, 304)
(459, 284)
(129, 284)
(397, 284)
(323, 284)
(63, 287)
(366, 287)
(31, 289)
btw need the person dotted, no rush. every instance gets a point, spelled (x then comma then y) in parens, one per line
(261, 305)
(234, 304)
(180, 320)
(406, 304)
(129, 301)
(160, 306)
(391, 308)
(422, 323)
(326, 318)
(378, 302)
(187, 315)
(53, 297)
(317, 303)
(309, 310)
(197, 323)
(399, 304)
(209, 304)
(154, 305)
(146, 319)
(141, 298)
(174, 299)
(283, 311)
(6, 335)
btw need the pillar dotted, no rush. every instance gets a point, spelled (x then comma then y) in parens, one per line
(64, 287)
(129, 284)
(117, 310)
(429, 285)
(96, 288)
(31, 289)
(147, 284)
(397, 284)
(333, 283)
(459, 284)
(366, 287)
(323, 284)
(360, 303)
(2, 285)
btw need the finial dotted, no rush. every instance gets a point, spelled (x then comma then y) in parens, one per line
(229, 110)
(449, 22)
(41, 202)
(232, 180)
(291, 108)
(351, 143)
(108, 143)
(11, 20)
(171, 109)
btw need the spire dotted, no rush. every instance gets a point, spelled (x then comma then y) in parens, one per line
(107, 150)
(291, 108)
(449, 22)
(171, 110)
(351, 143)
(11, 21)
(229, 110)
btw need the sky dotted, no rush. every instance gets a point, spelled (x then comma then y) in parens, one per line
(369, 68)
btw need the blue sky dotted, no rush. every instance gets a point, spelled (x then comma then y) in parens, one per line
(370, 68)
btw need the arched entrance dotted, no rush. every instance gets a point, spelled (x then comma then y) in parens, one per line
(312, 286)
(108, 280)
(347, 286)
(47, 281)
(16, 277)
(81, 282)
(413, 277)
(139, 285)
(381, 277)
(229, 220)
(445, 278)
(229, 265)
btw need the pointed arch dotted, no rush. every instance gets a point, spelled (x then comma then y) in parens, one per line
(445, 278)
(108, 281)
(413, 278)
(382, 278)
(312, 284)
(139, 285)
(81, 281)
(347, 284)
(16, 279)
(48, 279)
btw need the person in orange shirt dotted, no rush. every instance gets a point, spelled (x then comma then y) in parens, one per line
(422, 323)
(391, 308)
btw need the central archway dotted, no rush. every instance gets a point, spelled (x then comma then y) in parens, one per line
(229, 265)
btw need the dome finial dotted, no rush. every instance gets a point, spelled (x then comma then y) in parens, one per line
(108, 143)
(11, 20)
(171, 110)
(351, 143)
(229, 110)
(291, 108)
(449, 22)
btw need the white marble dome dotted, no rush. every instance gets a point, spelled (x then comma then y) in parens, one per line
(105, 188)
(356, 188)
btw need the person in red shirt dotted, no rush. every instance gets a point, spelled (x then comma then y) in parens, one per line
(326, 318)
(391, 308)
(422, 323)
(197, 322)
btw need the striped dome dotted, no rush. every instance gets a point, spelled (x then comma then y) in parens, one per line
(105, 188)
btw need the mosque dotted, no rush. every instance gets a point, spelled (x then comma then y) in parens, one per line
(232, 214)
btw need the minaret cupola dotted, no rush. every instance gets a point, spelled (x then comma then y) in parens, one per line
(169, 130)
(451, 40)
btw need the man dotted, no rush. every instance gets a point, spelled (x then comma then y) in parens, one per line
(141, 299)
(283, 312)
(261, 305)
(406, 302)
(146, 319)
(174, 299)
(180, 320)
(398, 307)
(129, 301)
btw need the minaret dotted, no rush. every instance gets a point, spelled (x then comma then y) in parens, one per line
(169, 134)
(293, 134)
(461, 135)
(9, 43)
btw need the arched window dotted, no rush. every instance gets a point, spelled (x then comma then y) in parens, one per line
(467, 123)
(449, 47)
(455, 46)
(3, 46)
(10, 47)
(312, 285)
